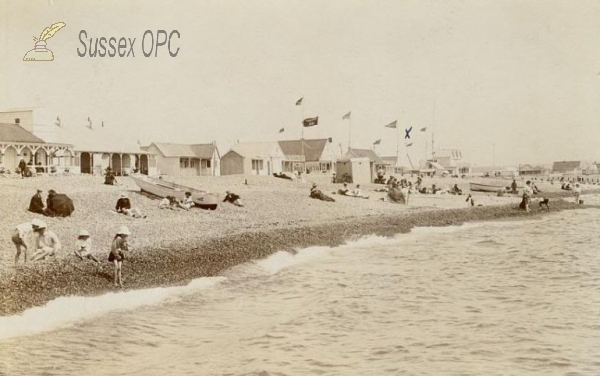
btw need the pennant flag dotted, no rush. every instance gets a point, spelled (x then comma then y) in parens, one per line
(309, 122)
(139, 142)
(409, 144)
(299, 101)
(347, 116)
(377, 142)
(407, 133)
(423, 129)
(281, 130)
(393, 124)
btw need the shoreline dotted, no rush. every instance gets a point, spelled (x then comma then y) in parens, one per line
(176, 264)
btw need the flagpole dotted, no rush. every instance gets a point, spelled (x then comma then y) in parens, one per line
(397, 143)
(302, 137)
(349, 131)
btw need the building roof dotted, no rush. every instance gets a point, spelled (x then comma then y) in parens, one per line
(390, 161)
(448, 153)
(566, 166)
(258, 149)
(530, 168)
(201, 151)
(436, 165)
(313, 149)
(16, 133)
(357, 153)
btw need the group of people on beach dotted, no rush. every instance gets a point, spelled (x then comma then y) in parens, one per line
(57, 204)
(45, 244)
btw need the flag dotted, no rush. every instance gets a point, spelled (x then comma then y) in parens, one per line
(299, 101)
(309, 122)
(139, 142)
(377, 142)
(393, 124)
(281, 130)
(347, 116)
(409, 144)
(423, 129)
(102, 124)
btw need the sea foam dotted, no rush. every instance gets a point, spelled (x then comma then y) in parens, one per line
(66, 311)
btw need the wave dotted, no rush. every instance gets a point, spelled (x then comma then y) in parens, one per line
(67, 311)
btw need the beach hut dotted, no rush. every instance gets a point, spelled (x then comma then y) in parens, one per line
(186, 159)
(253, 158)
(353, 170)
(308, 155)
(375, 162)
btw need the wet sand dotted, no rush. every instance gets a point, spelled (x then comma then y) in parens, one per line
(172, 247)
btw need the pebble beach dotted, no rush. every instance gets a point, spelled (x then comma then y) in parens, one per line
(171, 247)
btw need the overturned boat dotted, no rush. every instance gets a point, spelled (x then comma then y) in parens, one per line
(164, 188)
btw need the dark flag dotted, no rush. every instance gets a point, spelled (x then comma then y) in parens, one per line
(310, 122)
(377, 142)
(393, 124)
(299, 101)
(281, 130)
(409, 144)
(347, 116)
(423, 129)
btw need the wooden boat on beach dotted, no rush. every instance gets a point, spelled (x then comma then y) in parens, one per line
(479, 187)
(164, 188)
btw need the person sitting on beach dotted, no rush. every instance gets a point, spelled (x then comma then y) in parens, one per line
(168, 202)
(528, 189)
(46, 242)
(524, 205)
(187, 203)
(357, 192)
(233, 199)
(456, 190)
(124, 206)
(317, 194)
(109, 177)
(36, 204)
(58, 204)
(117, 253)
(344, 190)
(84, 247)
(21, 234)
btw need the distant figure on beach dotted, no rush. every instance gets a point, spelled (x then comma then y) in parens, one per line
(109, 177)
(545, 202)
(36, 204)
(528, 188)
(187, 203)
(344, 190)
(455, 190)
(470, 200)
(396, 195)
(232, 198)
(117, 253)
(21, 234)
(357, 192)
(513, 187)
(84, 247)
(58, 205)
(46, 241)
(124, 206)
(317, 194)
(22, 168)
(577, 192)
(168, 202)
(524, 205)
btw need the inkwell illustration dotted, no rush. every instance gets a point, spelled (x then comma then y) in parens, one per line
(40, 52)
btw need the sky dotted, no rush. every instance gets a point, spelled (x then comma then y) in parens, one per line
(505, 82)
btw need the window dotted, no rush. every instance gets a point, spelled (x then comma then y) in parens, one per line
(257, 164)
(208, 163)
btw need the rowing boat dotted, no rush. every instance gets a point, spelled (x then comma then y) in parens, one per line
(164, 188)
(486, 187)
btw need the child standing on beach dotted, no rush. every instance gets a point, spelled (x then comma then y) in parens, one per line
(20, 233)
(84, 247)
(117, 252)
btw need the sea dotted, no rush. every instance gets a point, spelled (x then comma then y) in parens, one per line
(516, 297)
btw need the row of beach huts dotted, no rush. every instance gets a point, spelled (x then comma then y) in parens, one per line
(91, 149)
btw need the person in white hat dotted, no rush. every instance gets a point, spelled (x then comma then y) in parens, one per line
(46, 241)
(84, 247)
(20, 235)
(124, 206)
(117, 252)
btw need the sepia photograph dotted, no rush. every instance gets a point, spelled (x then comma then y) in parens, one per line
(300, 187)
